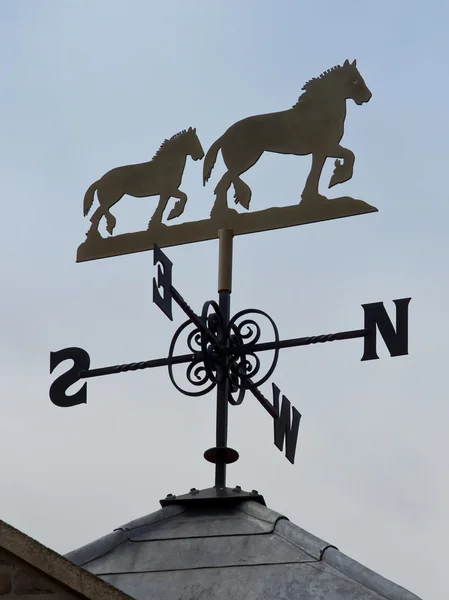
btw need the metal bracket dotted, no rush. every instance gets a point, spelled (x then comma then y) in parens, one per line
(212, 497)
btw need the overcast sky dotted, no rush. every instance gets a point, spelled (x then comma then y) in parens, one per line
(88, 85)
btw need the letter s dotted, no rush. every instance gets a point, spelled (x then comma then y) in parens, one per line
(81, 362)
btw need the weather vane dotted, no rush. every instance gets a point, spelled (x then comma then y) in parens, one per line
(219, 351)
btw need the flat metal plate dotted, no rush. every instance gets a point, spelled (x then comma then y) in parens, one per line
(201, 524)
(306, 581)
(198, 552)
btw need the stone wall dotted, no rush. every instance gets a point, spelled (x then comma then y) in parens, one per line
(30, 571)
(20, 581)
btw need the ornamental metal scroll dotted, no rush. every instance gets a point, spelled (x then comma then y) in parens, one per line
(313, 126)
(223, 353)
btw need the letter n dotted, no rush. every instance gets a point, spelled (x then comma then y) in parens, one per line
(286, 425)
(376, 318)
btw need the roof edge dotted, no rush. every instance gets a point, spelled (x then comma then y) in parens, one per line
(367, 577)
(154, 517)
(101, 546)
(97, 548)
(56, 566)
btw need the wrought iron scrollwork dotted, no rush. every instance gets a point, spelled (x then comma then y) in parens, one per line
(224, 352)
(196, 373)
(213, 341)
(245, 364)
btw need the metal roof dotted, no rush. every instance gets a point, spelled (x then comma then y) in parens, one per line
(236, 550)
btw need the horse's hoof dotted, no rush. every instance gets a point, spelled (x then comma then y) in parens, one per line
(245, 202)
(91, 234)
(340, 174)
(312, 199)
(337, 178)
(155, 225)
(245, 205)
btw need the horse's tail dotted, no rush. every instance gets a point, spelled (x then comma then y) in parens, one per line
(89, 198)
(210, 159)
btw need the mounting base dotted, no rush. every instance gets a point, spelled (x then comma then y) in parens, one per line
(214, 496)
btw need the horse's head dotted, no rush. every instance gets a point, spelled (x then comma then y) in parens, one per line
(195, 148)
(354, 84)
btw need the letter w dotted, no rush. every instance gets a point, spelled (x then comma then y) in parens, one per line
(285, 428)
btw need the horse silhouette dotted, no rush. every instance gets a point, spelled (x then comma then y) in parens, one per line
(314, 125)
(162, 176)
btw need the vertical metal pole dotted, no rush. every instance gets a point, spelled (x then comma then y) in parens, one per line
(225, 237)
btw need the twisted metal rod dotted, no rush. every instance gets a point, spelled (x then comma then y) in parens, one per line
(264, 402)
(245, 348)
(303, 341)
(196, 320)
(137, 366)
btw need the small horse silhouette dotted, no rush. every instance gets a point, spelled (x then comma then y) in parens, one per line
(162, 176)
(315, 125)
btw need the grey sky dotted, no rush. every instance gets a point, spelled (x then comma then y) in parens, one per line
(89, 85)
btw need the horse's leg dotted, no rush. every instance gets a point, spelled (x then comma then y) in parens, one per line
(342, 172)
(310, 192)
(221, 195)
(156, 219)
(239, 160)
(242, 192)
(179, 206)
(95, 220)
(107, 197)
(110, 221)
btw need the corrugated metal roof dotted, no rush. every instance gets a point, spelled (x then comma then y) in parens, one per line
(238, 551)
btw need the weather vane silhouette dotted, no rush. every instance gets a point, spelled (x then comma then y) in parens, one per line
(221, 351)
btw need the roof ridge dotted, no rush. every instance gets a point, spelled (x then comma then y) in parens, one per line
(365, 576)
(261, 512)
(330, 554)
(159, 515)
(97, 548)
(302, 539)
(320, 552)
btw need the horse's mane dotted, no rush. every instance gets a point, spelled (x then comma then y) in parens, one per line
(316, 83)
(168, 143)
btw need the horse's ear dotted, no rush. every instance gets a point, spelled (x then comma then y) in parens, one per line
(354, 63)
(194, 130)
(190, 129)
(346, 63)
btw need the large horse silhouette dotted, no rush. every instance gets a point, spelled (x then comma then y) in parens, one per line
(161, 176)
(314, 125)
